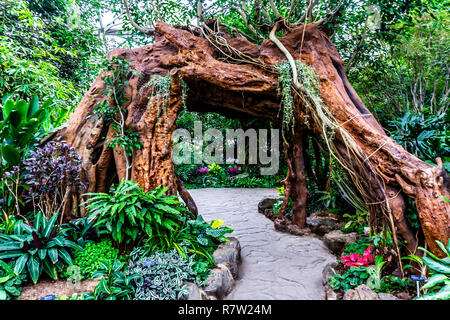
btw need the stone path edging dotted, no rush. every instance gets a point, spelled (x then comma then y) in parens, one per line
(274, 265)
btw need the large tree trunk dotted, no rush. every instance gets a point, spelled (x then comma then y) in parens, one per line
(220, 84)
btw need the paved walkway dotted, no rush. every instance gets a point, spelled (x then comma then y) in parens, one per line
(274, 265)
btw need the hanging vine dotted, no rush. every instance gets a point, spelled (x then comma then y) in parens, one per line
(111, 109)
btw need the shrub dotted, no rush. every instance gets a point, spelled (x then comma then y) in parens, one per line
(37, 247)
(129, 213)
(90, 257)
(50, 172)
(162, 275)
(10, 283)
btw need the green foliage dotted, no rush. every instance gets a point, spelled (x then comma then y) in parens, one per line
(356, 222)
(357, 247)
(352, 278)
(375, 277)
(75, 296)
(194, 237)
(21, 127)
(80, 230)
(37, 247)
(392, 284)
(205, 233)
(162, 275)
(439, 282)
(88, 259)
(129, 213)
(115, 284)
(423, 134)
(40, 54)
(10, 283)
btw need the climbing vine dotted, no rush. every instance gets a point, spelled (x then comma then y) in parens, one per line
(111, 109)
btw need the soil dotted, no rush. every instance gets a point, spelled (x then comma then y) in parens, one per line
(57, 287)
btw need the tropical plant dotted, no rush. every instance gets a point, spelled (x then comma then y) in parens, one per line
(80, 230)
(352, 278)
(357, 247)
(375, 277)
(355, 222)
(129, 213)
(37, 247)
(194, 237)
(423, 134)
(10, 283)
(391, 284)
(51, 172)
(162, 275)
(88, 259)
(439, 282)
(114, 284)
(21, 126)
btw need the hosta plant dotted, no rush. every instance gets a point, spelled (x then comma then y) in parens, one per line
(37, 247)
(129, 213)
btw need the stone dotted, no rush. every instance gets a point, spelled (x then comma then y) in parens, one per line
(323, 222)
(336, 240)
(266, 203)
(328, 272)
(404, 296)
(296, 230)
(195, 293)
(330, 294)
(280, 225)
(229, 252)
(220, 281)
(361, 292)
(386, 296)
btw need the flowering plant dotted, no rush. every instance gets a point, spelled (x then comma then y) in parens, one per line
(203, 170)
(356, 260)
(234, 169)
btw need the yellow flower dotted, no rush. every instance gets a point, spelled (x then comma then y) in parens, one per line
(216, 223)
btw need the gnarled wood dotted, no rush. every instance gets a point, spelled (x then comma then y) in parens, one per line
(251, 90)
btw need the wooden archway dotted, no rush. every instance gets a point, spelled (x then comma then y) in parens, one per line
(234, 75)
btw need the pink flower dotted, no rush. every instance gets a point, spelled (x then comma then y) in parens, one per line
(356, 260)
(234, 169)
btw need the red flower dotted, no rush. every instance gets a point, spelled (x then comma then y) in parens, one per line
(356, 260)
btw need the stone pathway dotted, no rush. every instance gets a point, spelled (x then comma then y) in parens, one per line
(275, 265)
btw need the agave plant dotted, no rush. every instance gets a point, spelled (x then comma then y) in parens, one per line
(439, 282)
(37, 247)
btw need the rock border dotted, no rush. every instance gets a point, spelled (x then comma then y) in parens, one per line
(222, 278)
